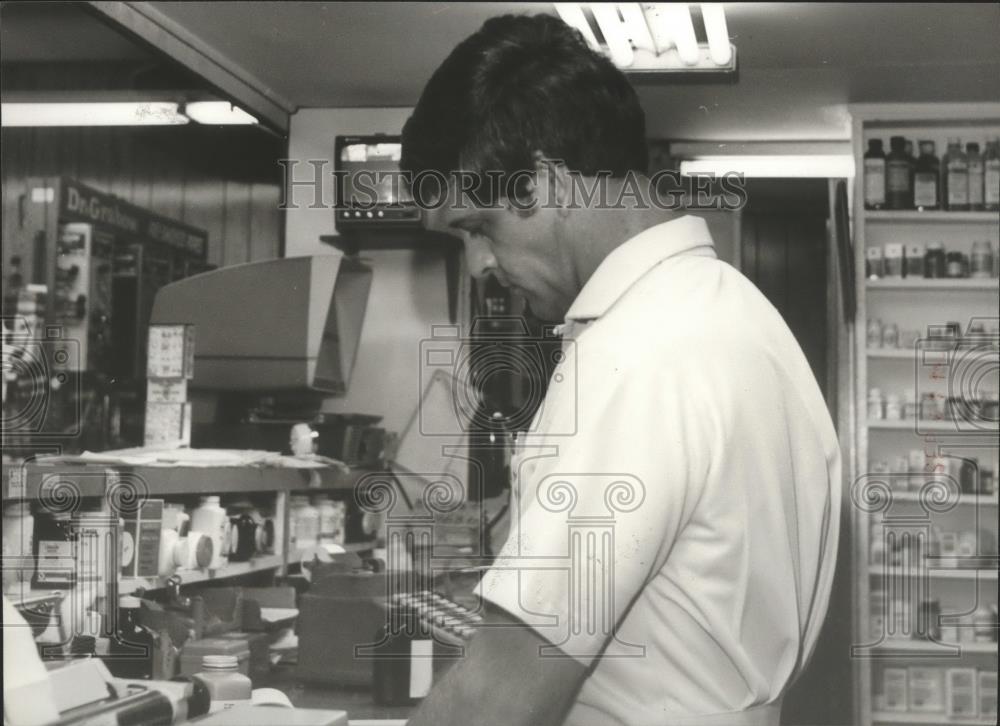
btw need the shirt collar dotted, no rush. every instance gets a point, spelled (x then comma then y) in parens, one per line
(631, 260)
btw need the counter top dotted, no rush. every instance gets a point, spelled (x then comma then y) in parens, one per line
(356, 701)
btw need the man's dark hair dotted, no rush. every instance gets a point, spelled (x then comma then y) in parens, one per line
(522, 84)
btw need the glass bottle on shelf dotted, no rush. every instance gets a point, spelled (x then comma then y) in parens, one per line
(934, 261)
(981, 263)
(955, 172)
(976, 169)
(991, 176)
(925, 178)
(898, 182)
(875, 175)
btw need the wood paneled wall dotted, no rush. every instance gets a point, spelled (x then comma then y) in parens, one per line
(224, 180)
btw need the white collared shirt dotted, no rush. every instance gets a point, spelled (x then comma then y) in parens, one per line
(680, 487)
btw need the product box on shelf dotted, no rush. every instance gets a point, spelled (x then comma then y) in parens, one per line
(140, 546)
(170, 352)
(926, 689)
(166, 390)
(168, 424)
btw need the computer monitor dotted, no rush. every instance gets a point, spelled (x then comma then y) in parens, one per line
(289, 325)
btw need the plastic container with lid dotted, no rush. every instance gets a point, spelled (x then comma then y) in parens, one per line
(226, 685)
(875, 404)
(210, 518)
(981, 262)
(194, 650)
(934, 261)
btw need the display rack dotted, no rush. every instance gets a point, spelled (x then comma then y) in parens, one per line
(912, 506)
(63, 483)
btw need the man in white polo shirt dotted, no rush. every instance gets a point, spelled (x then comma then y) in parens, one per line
(676, 502)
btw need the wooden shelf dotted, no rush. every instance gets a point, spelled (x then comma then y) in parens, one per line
(928, 356)
(91, 480)
(984, 573)
(919, 427)
(967, 284)
(188, 577)
(936, 216)
(926, 718)
(969, 499)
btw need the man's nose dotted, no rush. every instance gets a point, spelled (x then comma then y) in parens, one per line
(479, 257)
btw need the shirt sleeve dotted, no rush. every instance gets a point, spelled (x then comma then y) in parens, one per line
(592, 523)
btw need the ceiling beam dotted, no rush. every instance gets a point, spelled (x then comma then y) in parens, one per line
(152, 26)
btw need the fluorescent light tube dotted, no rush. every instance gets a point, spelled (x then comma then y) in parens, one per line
(718, 34)
(613, 30)
(217, 113)
(636, 26)
(677, 19)
(572, 15)
(118, 113)
(824, 166)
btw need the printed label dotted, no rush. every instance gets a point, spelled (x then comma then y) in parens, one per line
(874, 181)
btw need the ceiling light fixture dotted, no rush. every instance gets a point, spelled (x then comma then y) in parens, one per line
(217, 113)
(118, 113)
(822, 166)
(654, 37)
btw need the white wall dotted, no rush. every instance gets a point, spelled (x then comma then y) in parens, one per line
(408, 291)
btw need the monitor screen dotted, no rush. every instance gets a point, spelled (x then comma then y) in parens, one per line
(371, 191)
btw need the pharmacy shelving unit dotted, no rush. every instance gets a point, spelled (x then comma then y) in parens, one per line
(62, 484)
(899, 503)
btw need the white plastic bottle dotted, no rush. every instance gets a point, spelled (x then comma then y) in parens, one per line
(226, 685)
(211, 519)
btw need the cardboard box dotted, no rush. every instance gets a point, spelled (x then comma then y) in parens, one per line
(894, 689)
(960, 693)
(987, 692)
(926, 689)
(168, 424)
(170, 351)
(140, 549)
(166, 390)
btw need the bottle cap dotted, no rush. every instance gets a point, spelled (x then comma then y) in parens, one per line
(210, 500)
(218, 662)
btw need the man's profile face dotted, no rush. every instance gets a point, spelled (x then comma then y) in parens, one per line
(522, 250)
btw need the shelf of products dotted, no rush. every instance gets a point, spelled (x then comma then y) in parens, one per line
(944, 573)
(920, 425)
(913, 215)
(924, 647)
(189, 577)
(927, 718)
(32, 480)
(925, 406)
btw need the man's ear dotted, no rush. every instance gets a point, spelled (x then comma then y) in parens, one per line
(553, 183)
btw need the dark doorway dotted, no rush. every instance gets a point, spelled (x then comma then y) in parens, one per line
(785, 253)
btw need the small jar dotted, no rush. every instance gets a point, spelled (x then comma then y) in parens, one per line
(876, 405)
(929, 410)
(934, 261)
(953, 265)
(981, 264)
(914, 265)
(874, 266)
(893, 265)
(890, 336)
(873, 333)
(893, 407)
